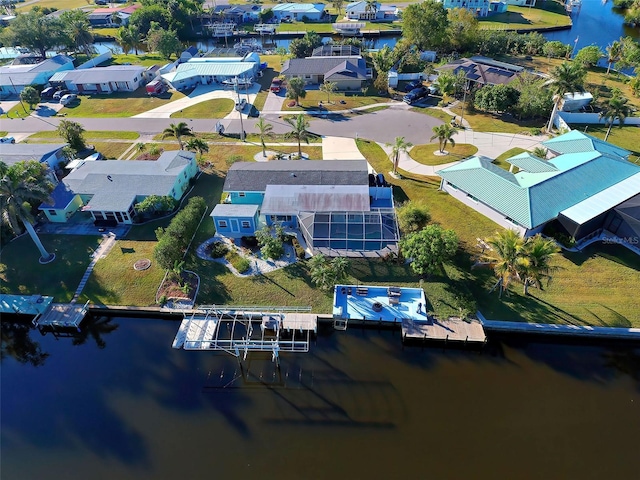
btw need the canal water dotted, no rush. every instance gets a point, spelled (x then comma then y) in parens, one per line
(119, 402)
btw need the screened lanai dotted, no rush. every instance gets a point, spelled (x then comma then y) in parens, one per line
(350, 234)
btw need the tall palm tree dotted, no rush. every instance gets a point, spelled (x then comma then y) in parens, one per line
(77, 28)
(299, 132)
(565, 78)
(506, 250)
(328, 88)
(535, 263)
(446, 83)
(444, 133)
(178, 131)
(19, 187)
(197, 145)
(614, 52)
(399, 146)
(371, 8)
(616, 109)
(265, 130)
(123, 37)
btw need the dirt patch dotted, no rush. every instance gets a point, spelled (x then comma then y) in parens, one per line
(183, 287)
(142, 264)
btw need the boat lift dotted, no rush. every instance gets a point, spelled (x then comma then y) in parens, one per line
(238, 330)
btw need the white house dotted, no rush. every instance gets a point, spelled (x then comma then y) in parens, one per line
(298, 11)
(377, 11)
(24, 71)
(115, 78)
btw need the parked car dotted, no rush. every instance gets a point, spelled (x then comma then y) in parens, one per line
(68, 99)
(7, 140)
(276, 85)
(433, 89)
(253, 112)
(413, 84)
(241, 104)
(48, 92)
(415, 95)
(60, 93)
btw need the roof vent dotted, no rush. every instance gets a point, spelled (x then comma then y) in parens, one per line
(293, 174)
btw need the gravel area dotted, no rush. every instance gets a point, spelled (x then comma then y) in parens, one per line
(259, 266)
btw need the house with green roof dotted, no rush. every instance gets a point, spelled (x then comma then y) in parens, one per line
(580, 186)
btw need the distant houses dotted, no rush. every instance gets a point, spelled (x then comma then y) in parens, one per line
(370, 12)
(585, 185)
(313, 12)
(28, 70)
(111, 17)
(480, 8)
(109, 190)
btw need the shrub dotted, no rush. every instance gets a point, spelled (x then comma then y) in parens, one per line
(413, 217)
(241, 264)
(300, 253)
(218, 250)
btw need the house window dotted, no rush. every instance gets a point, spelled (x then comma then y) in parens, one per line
(135, 79)
(185, 174)
(52, 212)
(222, 223)
(246, 224)
(280, 218)
(241, 194)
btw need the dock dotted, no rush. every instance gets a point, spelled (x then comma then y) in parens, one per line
(451, 330)
(62, 315)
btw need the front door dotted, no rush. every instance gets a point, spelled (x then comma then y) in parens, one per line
(234, 225)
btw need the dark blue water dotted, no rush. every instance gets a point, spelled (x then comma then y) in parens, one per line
(118, 402)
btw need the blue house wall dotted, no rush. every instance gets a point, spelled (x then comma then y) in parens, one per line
(290, 221)
(236, 226)
(246, 198)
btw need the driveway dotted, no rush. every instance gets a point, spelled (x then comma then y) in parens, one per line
(202, 93)
(273, 103)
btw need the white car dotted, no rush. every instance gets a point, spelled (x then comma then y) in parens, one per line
(241, 104)
(7, 140)
(68, 98)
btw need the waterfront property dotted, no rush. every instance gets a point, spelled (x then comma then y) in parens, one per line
(363, 11)
(480, 8)
(483, 71)
(347, 72)
(338, 207)
(115, 78)
(29, 70)
(109, 190)
(298, 11)
(238, 13)
(49, 153)
(586, 184)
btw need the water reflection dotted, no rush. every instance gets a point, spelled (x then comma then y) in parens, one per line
(18, 344)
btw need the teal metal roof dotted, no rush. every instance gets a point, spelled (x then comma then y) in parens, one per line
(576, 141)
(299, 7)
(530, 163)
(220, 69)
(531, 199)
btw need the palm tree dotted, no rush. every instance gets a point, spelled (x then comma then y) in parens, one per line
(337, 4)
(616, 109)
(197, 145)
(446, 83)
(371, 8)
(295, 89)
(76, 26)
(340, 267)
(178, 131)
(328, 88)
(614, 52)
(382, 62)
(444, 133)
(535, 263)
(18, 187)
(299, 132)
(124, 39)
(399, 146)
(565, 78)
(264, 130)
(506, 249)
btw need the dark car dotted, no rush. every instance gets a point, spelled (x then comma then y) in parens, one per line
(48, 92)
(60, 93)
(253, 112)
(413, 84)
(415, 95)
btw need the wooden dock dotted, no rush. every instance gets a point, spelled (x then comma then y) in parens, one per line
(63, 315)
(451, 330)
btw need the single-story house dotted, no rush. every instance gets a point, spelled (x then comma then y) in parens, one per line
(336, 50)
(17, 75)
(312, 12)
(210, 70)
(484, 71)
(349, 72)
(110, 190)
(497, 7)
(239, 13)
(116, 16)
(336, 206)
(585, 184)
(49, 153)
(362, 11)
(188, 54)
(115, 78)
(480, 8)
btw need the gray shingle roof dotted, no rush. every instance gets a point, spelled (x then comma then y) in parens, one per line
(114, 73)
(255, 176)
(115, 184)
(346, 70)
(11, 153)
(319, 65)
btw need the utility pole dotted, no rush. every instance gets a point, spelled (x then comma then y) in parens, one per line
(464, 101)
(239, 111)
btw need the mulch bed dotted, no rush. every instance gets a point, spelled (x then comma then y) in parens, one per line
(170, 288)
(142, 264)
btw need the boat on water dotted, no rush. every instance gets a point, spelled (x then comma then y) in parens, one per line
(247, 46)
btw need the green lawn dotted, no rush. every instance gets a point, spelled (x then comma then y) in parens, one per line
(217, 108)
(21, 273)
(314, 97)
(59, 4)
(111, 150)
(486, 122)
(501, 161)
(117, 104)
(433, 112)
(549, 14)
(426, 154)
(88, 135)
(19, 111)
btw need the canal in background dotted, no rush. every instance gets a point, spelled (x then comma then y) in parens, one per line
(357, 406)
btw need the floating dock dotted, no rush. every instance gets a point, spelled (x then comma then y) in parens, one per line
(451, 330)
(62, 315)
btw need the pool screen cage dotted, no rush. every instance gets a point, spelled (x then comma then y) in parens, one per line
(350, 233)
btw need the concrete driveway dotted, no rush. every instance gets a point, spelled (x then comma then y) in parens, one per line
(273, 103)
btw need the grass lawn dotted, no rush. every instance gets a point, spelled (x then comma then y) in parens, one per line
(314, 97)
(486, 122)
(88, 135)
(144, 59)
(18, 111)
(501, 161)
(21, 273)
(425, 154)
(433, 112)
(117, 104)
(59, 4)
(115, 282)
(549, 14)
(216, 108)
(3, 133)
(111, 150)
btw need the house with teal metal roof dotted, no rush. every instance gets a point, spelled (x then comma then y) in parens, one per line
(579, 185)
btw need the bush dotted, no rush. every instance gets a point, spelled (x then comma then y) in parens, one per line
(242, 264)
(412, 217)
(218, 250)
(300, 253)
